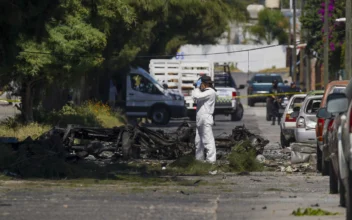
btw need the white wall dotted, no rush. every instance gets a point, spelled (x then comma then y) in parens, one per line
(258, 59)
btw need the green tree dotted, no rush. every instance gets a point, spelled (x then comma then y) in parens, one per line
(313, 23)
(272, 25)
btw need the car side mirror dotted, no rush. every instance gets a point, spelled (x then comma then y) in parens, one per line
(323, 113)
(285, 81)
(248, 81)
(241, 87)
(294, 114)
(165, 86)
(337, 103)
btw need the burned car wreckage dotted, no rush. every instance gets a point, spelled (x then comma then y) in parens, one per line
(135, 142)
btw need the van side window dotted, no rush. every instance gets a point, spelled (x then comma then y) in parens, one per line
(142, 84)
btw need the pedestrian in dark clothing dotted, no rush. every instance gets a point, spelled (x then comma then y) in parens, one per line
(275, 102)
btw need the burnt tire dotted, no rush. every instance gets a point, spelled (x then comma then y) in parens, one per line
(238, 115)
(160, 115)
(283, 141)
(333, 180)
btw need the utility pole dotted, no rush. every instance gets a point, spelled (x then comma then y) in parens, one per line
(348, 49)
(301, 51)
(294, 55)
(326, 43)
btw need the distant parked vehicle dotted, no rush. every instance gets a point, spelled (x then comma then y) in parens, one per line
(261, 84)
(306, 119)
(322, 125)
(288, 124)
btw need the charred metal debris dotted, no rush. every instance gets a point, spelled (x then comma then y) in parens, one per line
(134, 142)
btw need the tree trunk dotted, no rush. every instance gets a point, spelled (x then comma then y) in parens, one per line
(27, 103)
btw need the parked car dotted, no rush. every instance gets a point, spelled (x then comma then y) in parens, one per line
(306, 119)
(288, 124)
(341, 175)
(322, 125)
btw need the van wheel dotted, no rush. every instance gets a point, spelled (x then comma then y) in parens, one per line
(238, 114)
(160, 115)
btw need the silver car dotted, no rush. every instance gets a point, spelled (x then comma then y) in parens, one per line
(306, 120)
(288, 124)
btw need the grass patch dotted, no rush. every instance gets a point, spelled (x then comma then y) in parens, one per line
(188, 165)
(312, 212)
(243, 158)
(21, 132)
(91, 114)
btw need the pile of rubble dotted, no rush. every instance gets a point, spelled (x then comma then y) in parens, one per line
(133, 142)
(298, 157)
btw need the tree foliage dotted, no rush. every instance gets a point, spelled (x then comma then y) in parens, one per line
(272, 25)
(312, 21)
(59, 41)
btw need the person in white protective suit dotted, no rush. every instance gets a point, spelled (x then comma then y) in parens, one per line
(205, 96)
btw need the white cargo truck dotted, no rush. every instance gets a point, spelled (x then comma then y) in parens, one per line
(180, 75)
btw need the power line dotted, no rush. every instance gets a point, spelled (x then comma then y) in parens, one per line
(169, 55)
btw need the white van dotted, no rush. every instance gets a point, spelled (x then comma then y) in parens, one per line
(146, 97)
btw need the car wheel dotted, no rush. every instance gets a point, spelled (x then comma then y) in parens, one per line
(325, 166)
(283, 141)
(250, 102)
(160, 115)
(349, 196)
(238, 115)
(334, 187)
(319, 159)
(342, 192)
(192, 118)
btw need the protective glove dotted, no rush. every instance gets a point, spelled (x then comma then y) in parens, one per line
(199, 82)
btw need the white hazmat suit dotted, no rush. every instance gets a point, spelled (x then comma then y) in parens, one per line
(204, 133)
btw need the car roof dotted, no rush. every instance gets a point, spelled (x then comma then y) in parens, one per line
(299, 95)
(267, 74)
(315, 92)
(314, 96)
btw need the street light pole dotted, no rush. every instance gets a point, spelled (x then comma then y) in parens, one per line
(326, 44)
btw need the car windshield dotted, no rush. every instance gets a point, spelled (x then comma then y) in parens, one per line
(295, 101)
(267, 79)
(223, 80)
(313, 106)
(338, 89)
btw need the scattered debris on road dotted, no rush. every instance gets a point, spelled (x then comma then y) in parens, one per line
(102, 146)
